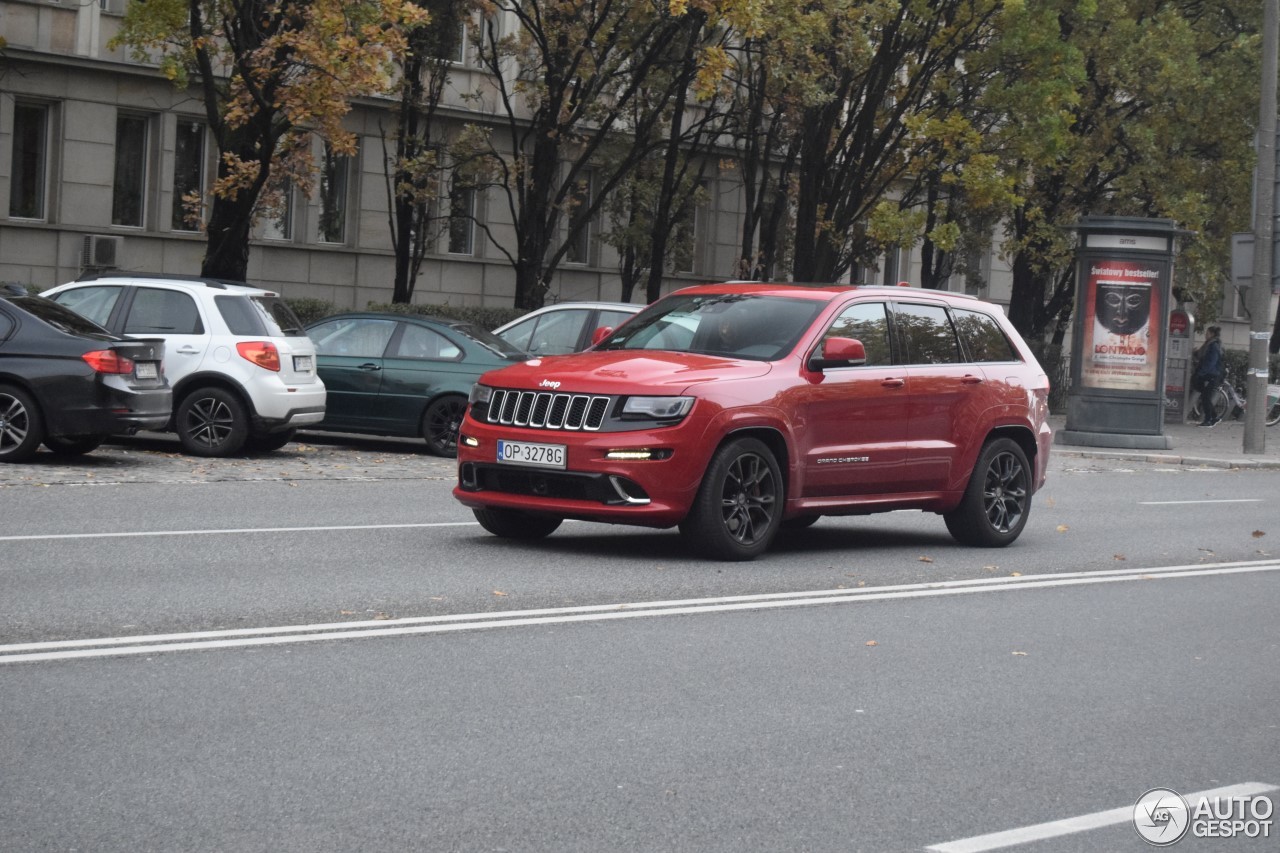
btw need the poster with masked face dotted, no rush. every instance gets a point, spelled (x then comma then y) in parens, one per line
(1121, 326)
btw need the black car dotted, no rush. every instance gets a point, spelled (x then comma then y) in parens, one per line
(69, 383)
(403, 374)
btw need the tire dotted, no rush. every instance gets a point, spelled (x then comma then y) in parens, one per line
(738, 509)
(21, 426)
(513, 524)
(440, 424)
(997, 501)
(73, 445)
(211, 422)
(1273, 414)
(267, 442)
(1220, 406)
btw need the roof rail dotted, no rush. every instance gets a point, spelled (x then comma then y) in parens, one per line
(218, 283)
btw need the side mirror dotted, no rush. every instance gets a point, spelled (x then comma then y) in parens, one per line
(839, 352)
(600, 334)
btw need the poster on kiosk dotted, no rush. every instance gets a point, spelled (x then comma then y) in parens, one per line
(1121, 334)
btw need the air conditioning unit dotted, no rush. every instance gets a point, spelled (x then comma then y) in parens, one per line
(100, 251)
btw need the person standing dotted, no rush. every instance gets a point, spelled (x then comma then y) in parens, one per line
(1208, 377)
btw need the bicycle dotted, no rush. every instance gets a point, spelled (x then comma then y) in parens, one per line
(1228, 399)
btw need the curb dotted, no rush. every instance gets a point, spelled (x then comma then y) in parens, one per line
(1166, 458)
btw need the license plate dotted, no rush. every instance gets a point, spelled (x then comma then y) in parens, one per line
(524, 453)
(302, 363)
(145, 369)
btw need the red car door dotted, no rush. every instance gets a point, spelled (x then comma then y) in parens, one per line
(851, 422)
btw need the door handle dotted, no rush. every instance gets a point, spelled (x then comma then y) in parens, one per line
(892, 383)
(970, 379)
(188, 350)
(370, 366)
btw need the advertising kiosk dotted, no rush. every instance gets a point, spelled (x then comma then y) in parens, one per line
(1124, 272)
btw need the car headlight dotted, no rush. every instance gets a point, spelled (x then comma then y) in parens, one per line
(480, 394)
(657, 408)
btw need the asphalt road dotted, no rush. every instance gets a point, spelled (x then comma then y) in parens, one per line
(351, 663)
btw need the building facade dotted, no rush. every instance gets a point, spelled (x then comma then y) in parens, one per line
(98, 153)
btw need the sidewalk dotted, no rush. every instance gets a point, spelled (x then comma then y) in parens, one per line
(1219, 447)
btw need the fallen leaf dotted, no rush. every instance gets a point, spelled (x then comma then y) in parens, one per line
(872, 643)
(862, 583)
(1020, 654)
(1118, 557)
(1062, 528)
(926, 559)
(989, 568)
(1050, 502)
(347, 612)
(1257, 534)
(381, 616)
(498, 592)
(1015, 574)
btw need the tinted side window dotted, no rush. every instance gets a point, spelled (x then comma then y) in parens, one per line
(928, 335)
(95, 303)
(356, 338)
(156, 311)
(982, 337)
(421, 342)
(242, 316)
(557, 332)
(519, 334)
(867, 322)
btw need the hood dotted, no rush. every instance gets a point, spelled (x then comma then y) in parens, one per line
(623, 372)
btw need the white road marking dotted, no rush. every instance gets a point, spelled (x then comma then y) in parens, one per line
(243, 637)
(224, 530)
(1083, 823)
(1223, 501)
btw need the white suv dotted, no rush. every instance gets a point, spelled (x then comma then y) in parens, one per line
(242, 368)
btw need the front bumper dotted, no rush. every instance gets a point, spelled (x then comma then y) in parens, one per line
(654, 492)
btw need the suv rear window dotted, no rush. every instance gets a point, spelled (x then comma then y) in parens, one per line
(266, 316)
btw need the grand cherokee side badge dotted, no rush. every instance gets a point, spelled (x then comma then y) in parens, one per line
(837, 460)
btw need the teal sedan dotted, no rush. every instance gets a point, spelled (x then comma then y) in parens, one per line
(403, 374)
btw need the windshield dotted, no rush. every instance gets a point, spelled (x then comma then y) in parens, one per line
(490, 341)
(754, 327)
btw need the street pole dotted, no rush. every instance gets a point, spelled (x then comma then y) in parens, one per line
(1264, 225)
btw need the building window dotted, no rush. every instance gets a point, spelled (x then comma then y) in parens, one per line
(891, 266)
(277, 222)
(333, 196)
(188, 176)
(688, 236)
(579, 251)
(130, 186)
(462, 211)
(29, 174)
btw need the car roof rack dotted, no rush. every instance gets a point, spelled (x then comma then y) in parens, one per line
(218, 283)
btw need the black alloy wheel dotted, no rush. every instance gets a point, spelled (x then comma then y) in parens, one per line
(997, 501)
(73, 445)
(211, 422)
(441, 422)
(738, 509)
(513, 524)
(267, 442)
(21, 428)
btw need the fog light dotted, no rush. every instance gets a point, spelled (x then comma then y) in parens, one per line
(469, 441)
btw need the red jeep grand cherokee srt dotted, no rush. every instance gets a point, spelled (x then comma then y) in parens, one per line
(733, 410)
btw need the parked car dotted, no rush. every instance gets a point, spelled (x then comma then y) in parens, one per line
(403, 374)
(785, 404)
(241, 366)
(68, 383)
(565, 327)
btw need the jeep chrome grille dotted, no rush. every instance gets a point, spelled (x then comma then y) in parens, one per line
(546, 410)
